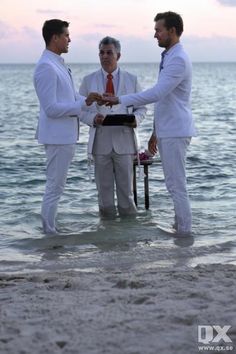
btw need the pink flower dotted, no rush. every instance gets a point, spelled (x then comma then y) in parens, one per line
(143, 156)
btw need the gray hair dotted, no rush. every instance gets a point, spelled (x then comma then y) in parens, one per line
(110, 40)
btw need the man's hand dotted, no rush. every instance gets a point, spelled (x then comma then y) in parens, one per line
(93, 97)
(98, 119)
(109, 100)
(152, 145)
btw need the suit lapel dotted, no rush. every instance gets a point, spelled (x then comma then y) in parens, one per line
(121, 85)
(66, 74)
(99, 82)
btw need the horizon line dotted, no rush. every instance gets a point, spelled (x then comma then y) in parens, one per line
(127, 62)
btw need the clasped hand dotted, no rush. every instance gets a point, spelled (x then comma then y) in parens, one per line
(105, 99)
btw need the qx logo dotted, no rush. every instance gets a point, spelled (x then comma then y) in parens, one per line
(205, 334)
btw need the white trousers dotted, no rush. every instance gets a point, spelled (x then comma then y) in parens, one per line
(173, 157)
(59, 158)
(110, 170)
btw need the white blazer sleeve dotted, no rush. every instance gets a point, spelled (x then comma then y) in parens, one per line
(169, 79)
(139, 111)
(87, 113)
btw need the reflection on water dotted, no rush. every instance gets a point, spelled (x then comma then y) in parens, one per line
(116, 244)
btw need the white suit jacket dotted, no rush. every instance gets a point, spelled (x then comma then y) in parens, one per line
(59, 103)
(103, 139)
(171, 94)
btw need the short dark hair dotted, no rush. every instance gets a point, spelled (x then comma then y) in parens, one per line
(172, 19)
(52, 27)
(110, 40)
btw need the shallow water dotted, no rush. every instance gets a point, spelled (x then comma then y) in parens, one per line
(87, 242)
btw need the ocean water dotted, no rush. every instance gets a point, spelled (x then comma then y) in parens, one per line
(86, 242)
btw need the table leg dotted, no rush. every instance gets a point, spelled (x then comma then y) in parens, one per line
(146, 186)
(135, 185)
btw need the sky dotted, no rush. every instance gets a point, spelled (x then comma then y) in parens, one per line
(209, 28)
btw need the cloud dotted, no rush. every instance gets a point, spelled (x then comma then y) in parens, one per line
(84, 48)
(6, 31)
(211, 49)
(134, 49)
(49, 12)
(103, 31)
(90, 37)
(10, 34)
(24, 47)
(30, 32)
(104, 25)
(227, 2)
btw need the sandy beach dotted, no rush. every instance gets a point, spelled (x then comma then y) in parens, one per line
(136, 311)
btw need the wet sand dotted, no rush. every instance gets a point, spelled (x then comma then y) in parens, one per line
(136, 311)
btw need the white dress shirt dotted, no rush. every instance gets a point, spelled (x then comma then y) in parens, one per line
(115, 79)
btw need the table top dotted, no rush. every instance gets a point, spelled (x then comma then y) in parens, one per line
(144, 162)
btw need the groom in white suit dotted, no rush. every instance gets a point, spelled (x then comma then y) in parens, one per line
(173, 121)
(60, 106)
(113, 147)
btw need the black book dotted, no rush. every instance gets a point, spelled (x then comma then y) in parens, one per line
(118, 119)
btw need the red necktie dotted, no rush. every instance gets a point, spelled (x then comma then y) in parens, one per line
(109, 86)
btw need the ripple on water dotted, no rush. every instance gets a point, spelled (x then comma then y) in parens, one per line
(211, 183)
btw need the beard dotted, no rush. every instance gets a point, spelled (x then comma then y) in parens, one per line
(165, 43)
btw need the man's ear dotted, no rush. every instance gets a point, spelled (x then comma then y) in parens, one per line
(172, 30)
(118, 56)
(55, 38)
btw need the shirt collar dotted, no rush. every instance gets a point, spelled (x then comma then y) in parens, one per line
(114, 73)
(166, 52)
(55, 56)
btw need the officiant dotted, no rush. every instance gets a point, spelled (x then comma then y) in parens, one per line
(113, 148)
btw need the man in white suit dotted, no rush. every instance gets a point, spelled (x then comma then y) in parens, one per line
(113, 147)
(173, 122)
(60, 106)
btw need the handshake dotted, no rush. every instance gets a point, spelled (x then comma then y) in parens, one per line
(105, 99)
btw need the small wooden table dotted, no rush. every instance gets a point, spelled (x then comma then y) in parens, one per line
(145, 164)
